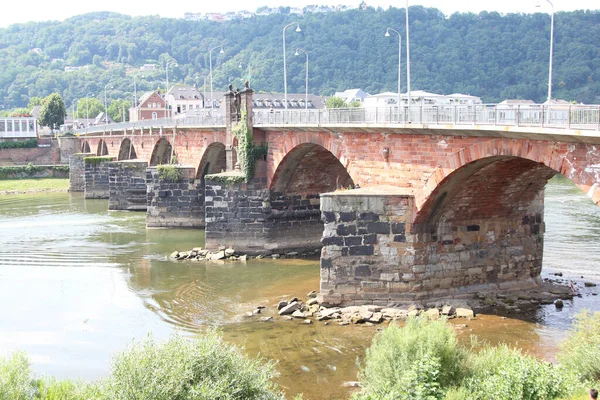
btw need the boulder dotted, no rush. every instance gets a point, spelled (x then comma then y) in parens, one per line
(229, 252)
(218, 255)
(312, 301)
(307, 321)
(281, 304)
(312, 294)
(174, 254)
(559, 304)
(290, 308)
(298, 314)
(448, 310)
(589, 284)
(243, 258)
(376, 318)
(464, 313)
(432, 313)
(266, 319)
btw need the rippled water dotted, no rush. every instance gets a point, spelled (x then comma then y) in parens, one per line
(78, 283)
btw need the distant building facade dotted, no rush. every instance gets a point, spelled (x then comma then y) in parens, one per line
(151, 106)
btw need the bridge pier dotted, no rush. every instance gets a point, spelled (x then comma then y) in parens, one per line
(77, 171)
(96, 177)
(175, 203)
(127, 185)
(374, 254)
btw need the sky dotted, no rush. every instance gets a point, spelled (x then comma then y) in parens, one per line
(44, 10)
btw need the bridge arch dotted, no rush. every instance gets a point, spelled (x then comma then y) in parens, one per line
(161, 153)
(85, 147)
(214, 160)
(102, 149)
(127, 150)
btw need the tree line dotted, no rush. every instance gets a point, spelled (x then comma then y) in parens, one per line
(489, 55)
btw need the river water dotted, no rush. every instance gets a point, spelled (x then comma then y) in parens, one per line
(79, 283)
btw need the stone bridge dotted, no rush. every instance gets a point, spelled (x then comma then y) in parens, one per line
(402, 212)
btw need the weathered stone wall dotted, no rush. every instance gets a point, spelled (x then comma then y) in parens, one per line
(371, 254)
(127, 185)
(77, 171)
(96, 178)
(252, 220)
(35, 155)
(68, 146)
(175, 204)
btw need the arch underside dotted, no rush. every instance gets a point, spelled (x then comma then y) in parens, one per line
(102, 148)
(85, 147)
(127, 150)
(214, 160)
(161, 154)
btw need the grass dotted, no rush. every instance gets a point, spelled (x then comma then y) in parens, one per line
(34, 185)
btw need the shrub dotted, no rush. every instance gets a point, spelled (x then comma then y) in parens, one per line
(169, 172)
(16, 381)
(204, 368)
(506, 374)
(580, 352)
(19, 144)
(419, 361)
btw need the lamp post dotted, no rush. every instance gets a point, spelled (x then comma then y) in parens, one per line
(387, 34)
(284, 65)
(106, 104)
(298, 50)
(551, 49)
(74, 101)
(407, 60)
(87, 109)
(212, 102)
(172, 62)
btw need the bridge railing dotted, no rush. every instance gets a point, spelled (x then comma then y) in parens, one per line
(530, 115)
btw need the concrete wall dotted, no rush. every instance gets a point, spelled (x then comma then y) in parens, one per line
(96, 178)
(77, 171)
(127, 185)
(175, 204)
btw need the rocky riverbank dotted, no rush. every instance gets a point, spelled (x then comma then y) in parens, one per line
(200, 254)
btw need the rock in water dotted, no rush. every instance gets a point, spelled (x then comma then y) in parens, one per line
(281, 304)
(290, 308)
(464, 313)
(218, 256)
(174, 254)
(229, 252)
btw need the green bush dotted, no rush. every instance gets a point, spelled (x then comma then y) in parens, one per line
(169, 172)
(503, 373)
(16, 381)
(19, 144)
(580, 352)
(419, 361)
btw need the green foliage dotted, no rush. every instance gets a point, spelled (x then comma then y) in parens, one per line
(507, 374)
(247, 152)
(336, 102)
(418, 361)
(169, 172)
(227, 178)
(19, 144)
(89, 107)
(204, 368)
(34, 101)
(15, 378)
(97, 160)
(53, 111)
(10, 172)
(116, 109)
(487, 54)
(580, 353)
(20, 112)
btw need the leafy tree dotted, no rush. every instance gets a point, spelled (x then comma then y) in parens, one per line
(53, 111)
(20, 112)
(34, 101)
(117, 108)
(336, 102)
(89, 107)
(354, 104)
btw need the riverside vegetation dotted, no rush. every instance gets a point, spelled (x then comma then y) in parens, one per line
(422, 360)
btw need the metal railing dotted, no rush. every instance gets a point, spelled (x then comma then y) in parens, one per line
(576, 117)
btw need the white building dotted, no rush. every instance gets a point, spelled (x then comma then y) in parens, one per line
(18, 128)
(352, 95)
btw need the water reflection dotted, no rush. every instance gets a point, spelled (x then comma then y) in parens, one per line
(78, 283)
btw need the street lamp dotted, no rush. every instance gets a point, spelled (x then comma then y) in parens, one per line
(212, 102)
(407, 60)
(284, 66)
(551, 49)
(87, 108)
(387, 34)
(298, 50)
(74, 101)
(172, 62)
(106, 104)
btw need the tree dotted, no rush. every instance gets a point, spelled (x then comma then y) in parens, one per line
(53, 111)
(20, 112)
(336, 102)
(34, 101)
(117, 108)
(89, 106)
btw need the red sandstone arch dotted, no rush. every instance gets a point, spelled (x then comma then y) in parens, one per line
(102, 148)
(85, 147)
(162, 152)
(213, 160)
(310, 169)
(127, 150)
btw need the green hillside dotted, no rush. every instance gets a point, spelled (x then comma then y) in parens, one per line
(487, 55)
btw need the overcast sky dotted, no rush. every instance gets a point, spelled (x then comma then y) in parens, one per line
(43, 10)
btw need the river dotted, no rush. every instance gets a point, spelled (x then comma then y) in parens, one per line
(79, 283)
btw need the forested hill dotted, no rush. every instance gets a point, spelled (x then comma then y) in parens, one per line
(489, 55)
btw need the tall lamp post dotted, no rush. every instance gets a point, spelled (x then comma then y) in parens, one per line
(172, 62)
(551, 49)
(212, 102)
(284, 64)
(75, 101)
(298, 50)
(106, 104)
(407, 60)
(87, 109)
(387, 34)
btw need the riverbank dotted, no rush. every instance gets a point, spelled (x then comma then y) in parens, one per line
(39, 185)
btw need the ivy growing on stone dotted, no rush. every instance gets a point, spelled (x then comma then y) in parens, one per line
(97, 160)
(247, 152)
(19, 144)
(169, 172)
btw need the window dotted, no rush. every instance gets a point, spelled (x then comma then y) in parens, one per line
(31, 126)
(154, 116)
(2, 126)
(9, 126)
